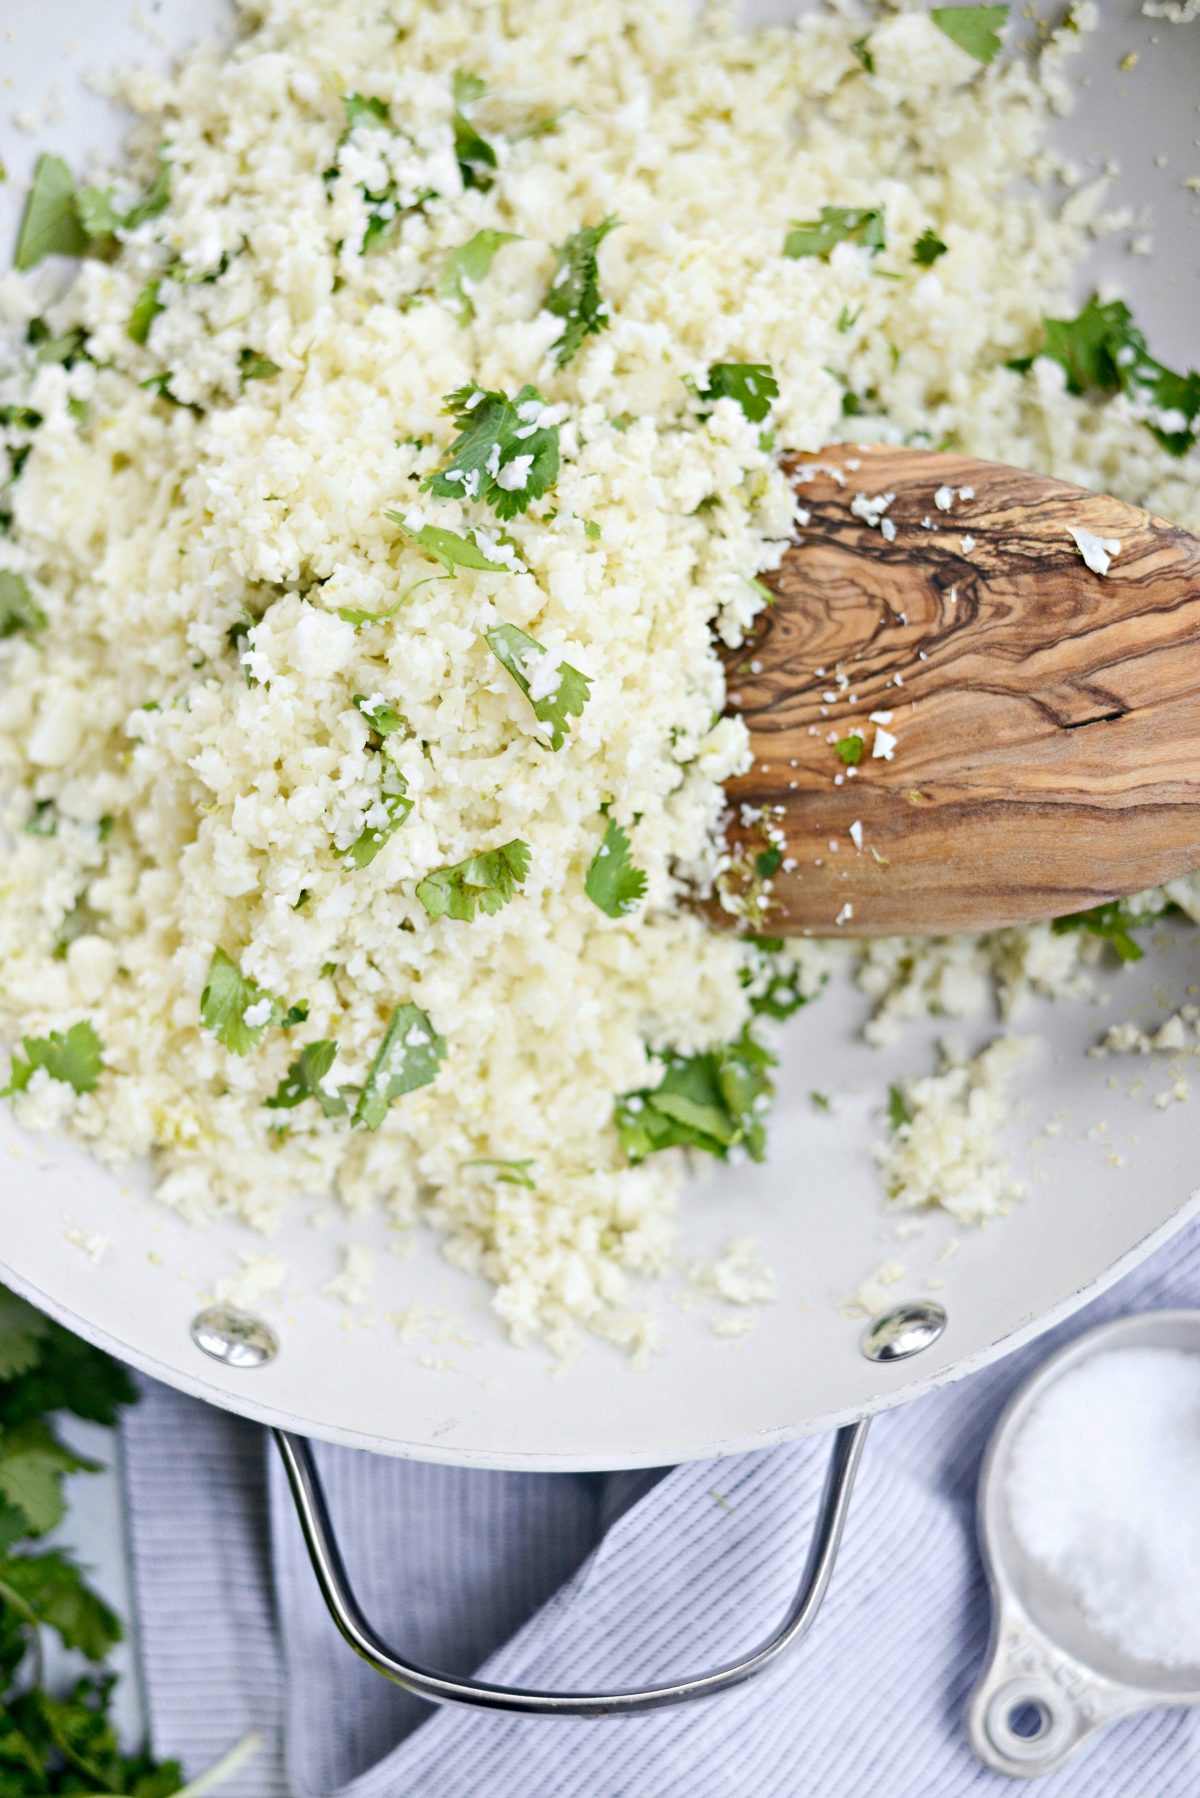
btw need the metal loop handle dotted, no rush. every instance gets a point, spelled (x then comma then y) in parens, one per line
(446, 1688)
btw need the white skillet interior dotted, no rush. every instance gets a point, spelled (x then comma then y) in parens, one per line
(461, 1392)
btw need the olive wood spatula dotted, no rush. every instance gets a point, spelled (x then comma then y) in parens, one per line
(957, 723)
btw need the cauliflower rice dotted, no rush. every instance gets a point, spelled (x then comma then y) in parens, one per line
(190, 743)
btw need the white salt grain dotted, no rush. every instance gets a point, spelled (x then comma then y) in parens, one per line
(1104, 1492)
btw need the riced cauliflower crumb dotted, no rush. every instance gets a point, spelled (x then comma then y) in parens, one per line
(267, 729)
(258, 1282)
(944, 1154)
(352, 1285)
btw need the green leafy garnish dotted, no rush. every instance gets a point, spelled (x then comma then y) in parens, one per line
(364, 109)
(447, 547)
(751, 384)
(1112, 921)
(505, 453)
(850, 749)
(486, 882)
(63, 351)
(253, 367)
(50, 224)
(774, 980)
(768, 862)
(74, 1057)
(928, 248)
(837, 224)
(17, 609)
(520, 656)
(1103, 350)
(709, 1101)
(975, 29)
(146, 309)
(512, 1173)
(43, 820)
(385, 818)
(862, 49)
(898, 1112)
(305, 1079)
(612, 882)
(475, 155)
(383, 718)
(237, 1010)
(467, 266)
(574, 291)
(408, 1057)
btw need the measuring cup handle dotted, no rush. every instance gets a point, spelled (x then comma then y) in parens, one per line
(447, 1688)
(1035, 1705)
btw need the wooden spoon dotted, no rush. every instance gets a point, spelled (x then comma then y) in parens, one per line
(1029, 729)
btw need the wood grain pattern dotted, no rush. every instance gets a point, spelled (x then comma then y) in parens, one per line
(1047, 719)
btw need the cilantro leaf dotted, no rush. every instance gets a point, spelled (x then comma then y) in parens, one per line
(476, 157)
(862, 49)
(253, 367)
(306, 1079)
(506, 452)
(774, 981)
(486, 881)
(22, 1330)
(837, 224)
(154, 201)
(52, 1587)
(49, 224)
(975, 29)
(146, 309)
(237, 1010)
(850, 749)
(17, 609)
(751, 384)
(385, 817)
(1112, 921)
(32, 1464)
(612, 882)
(408, 1057)
(467, 266)
(512, 1173)
(360, 109)
(574, 291)
(709, 1101)
(928, 248)
(96, 213)
(447, 547)
(75, 1058)
(898, 1112)
(553, 705)
(384, 719)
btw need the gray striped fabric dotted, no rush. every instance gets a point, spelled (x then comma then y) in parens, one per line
(562, 1580)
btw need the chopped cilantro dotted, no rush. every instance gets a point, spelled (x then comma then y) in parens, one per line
(975, 29)
(512, 1173)
(612, 882)
(96, 212)
(506, 452)
(253, 367)
(408, 1057)
(775, 982)
(1112, 921)
(751, 384)
(1102, 349)
(862, 49)
(357, 617)
(837, 224)
(847, 320)
(386, 816)
(590, 528)
(928, 248)
(820, 1101)
(155, 201)
(476, 157)
(709, 1101)
(62, 351)
(447, 547)
(306, 1079)
(43, 820)
(574, 291)
(76, 1058)
(850, 749)
(768, 862)
(364, 109)
(898, 1112)
(50, 223)
(17, 609)
(237, 1010)
(146, 309)
(520, 655)
(467, 266)
(383, 718)
(486, 882)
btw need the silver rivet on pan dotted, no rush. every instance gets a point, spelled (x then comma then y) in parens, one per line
(234, 1337)
(903, 1331)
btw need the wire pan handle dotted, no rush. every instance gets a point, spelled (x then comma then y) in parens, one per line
(446, 1688)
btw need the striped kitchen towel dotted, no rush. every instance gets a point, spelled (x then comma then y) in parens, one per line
(568, 1580)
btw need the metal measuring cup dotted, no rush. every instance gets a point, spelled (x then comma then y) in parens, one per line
(1050, 1681)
